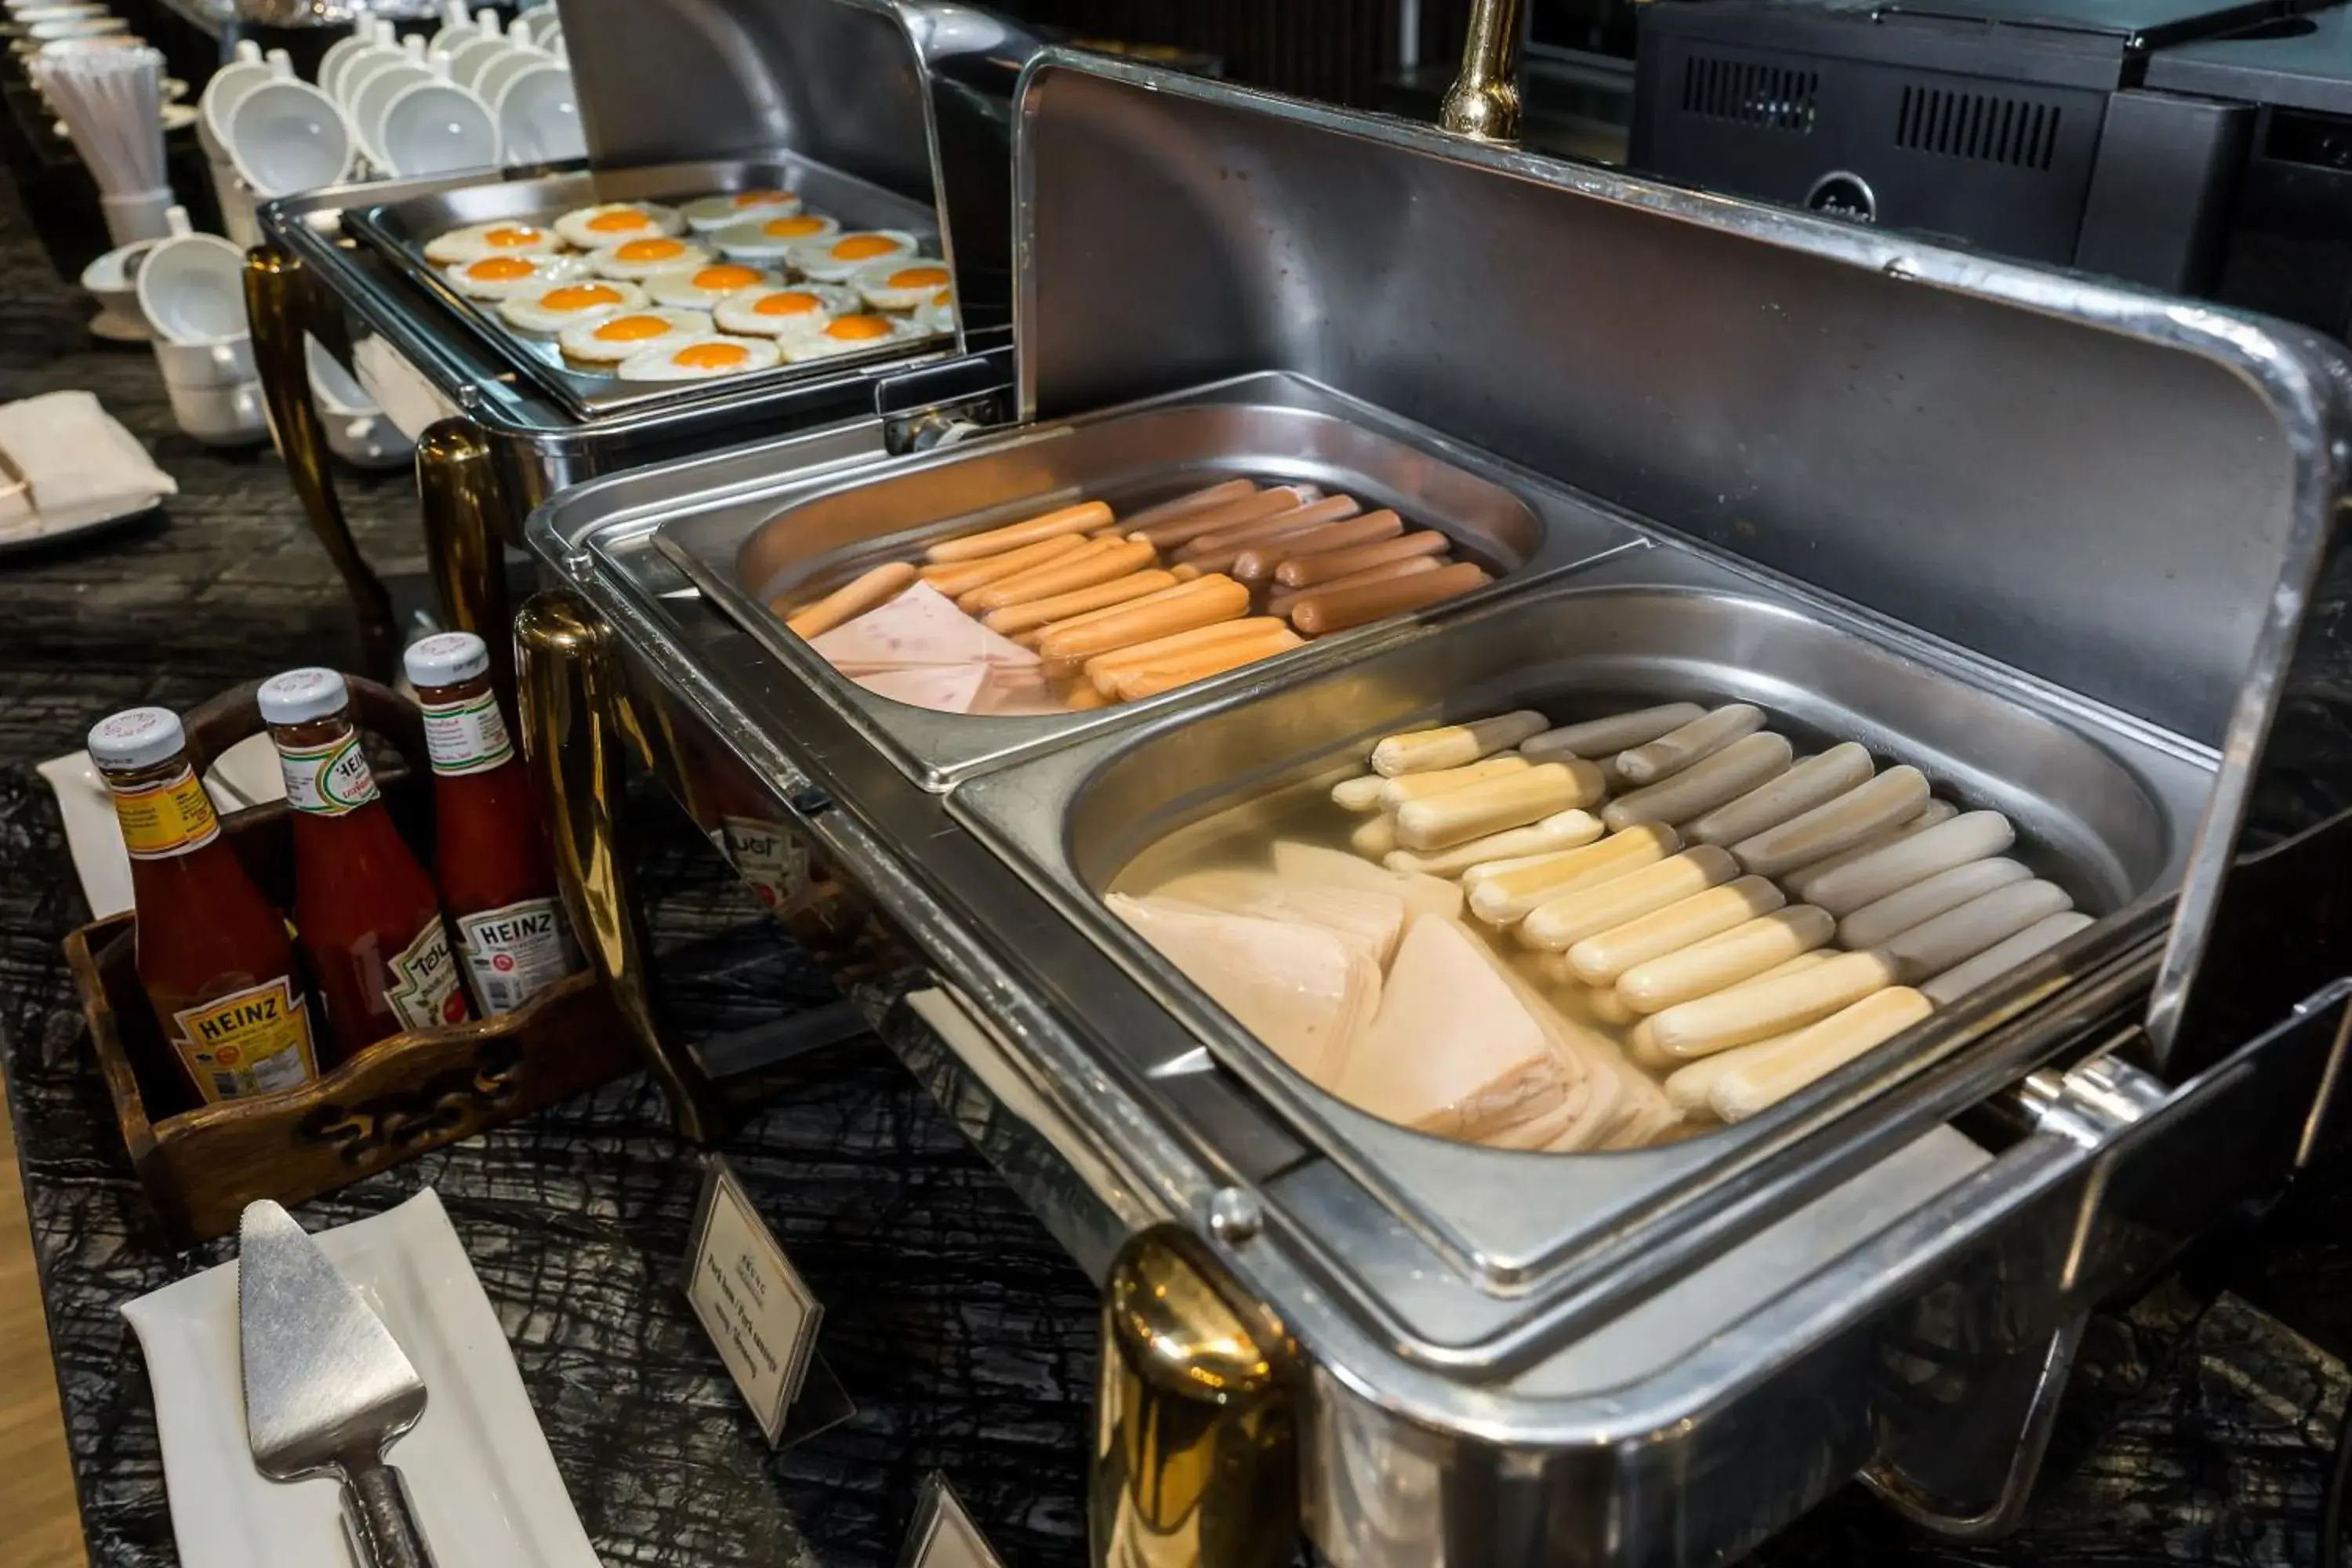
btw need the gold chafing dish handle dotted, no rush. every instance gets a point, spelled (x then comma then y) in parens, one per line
(1196, 1448)
(277, 305)
(465, 520)
(573, 709)
(1484, 102)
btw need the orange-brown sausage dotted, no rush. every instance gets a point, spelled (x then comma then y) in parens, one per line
(1259, 561)
(1104, 563)
(962, 577)
(1197, 603)
(866, 591)
(1208, 519)
(1088, 617)
(1197, 501)
(1082, 696)
(1279, 604)
(1078, 518)
(1062, 607)
(1104, 668)
(1337, 564)
(1281, 525)
(1327, 610)
(1136, 683)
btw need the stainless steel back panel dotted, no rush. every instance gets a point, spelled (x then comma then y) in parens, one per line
(401, 229)
(2104, 804)
(744, 553)
(2126, 495)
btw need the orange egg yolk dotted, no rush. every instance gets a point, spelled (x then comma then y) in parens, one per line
(507, 239)
(649, 250)
(864, 247)
(944, 297)
(853, 328)
(579, 296)
(761, 198)
(501, 269)
(619, 222)
(715, 278)
(710, 356)
(918, 277)
(790, 302)
(631, 329)
(799, 227)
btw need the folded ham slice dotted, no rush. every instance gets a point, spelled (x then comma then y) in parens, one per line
(1304, 864)
(920, 648)
(1369, 921)
(1454, 1048)
(1302, 990)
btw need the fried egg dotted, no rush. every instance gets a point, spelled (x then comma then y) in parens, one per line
(744, 206)
(476, 240)
(772, 239)
(548, 311)
(701, 288)
(609, 223)
(833, 259)
(794, 313)
(498, 276)
(899, 285)
(849, 335)
(701, 359)
(639, 259)
(601, 345)
(938, 312)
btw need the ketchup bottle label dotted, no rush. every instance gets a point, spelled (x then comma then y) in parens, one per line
(167, 819)
(327, 780)
(514, 952)
(250, 1042)
(468, 736)
(424, 992)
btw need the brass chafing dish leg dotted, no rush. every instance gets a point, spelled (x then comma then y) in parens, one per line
(463, 508)
(1195, 1461)
(1484, 102)
(573, 713)
(276, 302)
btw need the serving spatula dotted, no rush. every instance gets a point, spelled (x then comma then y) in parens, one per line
(327, 1390)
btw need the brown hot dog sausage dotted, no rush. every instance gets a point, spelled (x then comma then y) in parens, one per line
(1062, 607)
(1197, 603)
(1105, 667)
(1279, 604)
(866, 591)
(1327, 610)
(1336, 564)
(1207, 519)
(1077, 518)
(1259, 561)
(963, 576)
(1137, 682)
(1231, 542)
(1112, 560)
(1196, 500)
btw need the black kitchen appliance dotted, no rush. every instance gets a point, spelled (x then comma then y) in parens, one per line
(2201, 146)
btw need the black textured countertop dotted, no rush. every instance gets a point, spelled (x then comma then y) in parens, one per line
(965, 1338)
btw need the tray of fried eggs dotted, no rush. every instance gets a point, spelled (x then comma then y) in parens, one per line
(720, 286)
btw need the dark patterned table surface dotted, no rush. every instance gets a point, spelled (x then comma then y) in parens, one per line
(964, 1337)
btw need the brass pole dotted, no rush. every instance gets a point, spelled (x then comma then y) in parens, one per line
(1196, 1454)
(457, 490)
(275, 304)
(1484, 102)
(573, 710)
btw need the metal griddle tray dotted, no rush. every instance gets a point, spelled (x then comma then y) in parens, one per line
(2105, 805)
(751, 546)
(400, 230)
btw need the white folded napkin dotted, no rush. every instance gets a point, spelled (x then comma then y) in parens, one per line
(486, 1488)
(65, 462)
(245, 775)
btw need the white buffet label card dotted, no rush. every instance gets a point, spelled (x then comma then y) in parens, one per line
(944, 1535)
(753, 1304)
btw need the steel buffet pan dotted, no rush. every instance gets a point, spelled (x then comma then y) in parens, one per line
(1770, 458)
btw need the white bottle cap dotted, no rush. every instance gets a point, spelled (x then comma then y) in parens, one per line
(301, 695)
(136, 738)
(446, 658)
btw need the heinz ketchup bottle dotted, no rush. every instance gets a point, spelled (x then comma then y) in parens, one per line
(487, 850)
(366, 911)
(213, 953)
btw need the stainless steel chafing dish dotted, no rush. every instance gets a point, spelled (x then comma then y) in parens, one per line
(2069, 547)
(884, 113)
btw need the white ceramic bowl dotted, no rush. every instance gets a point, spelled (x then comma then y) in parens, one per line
(111, 280)
(472, 54)
(192, 290)
(503, 69)
(366, 106)
(227, 90)
(232, 416)
(339, 54)
(222, 362)
(357, 430)
(539, 116)
(287, 137)
(359, 68)
(436, 127)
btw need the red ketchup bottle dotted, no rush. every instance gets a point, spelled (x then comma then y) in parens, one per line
(489, 851)
(214, 955)
(367, 912)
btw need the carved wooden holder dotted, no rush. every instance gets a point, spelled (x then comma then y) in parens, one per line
(203, 1163)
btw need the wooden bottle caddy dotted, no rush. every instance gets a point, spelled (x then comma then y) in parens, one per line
(203, 1163)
